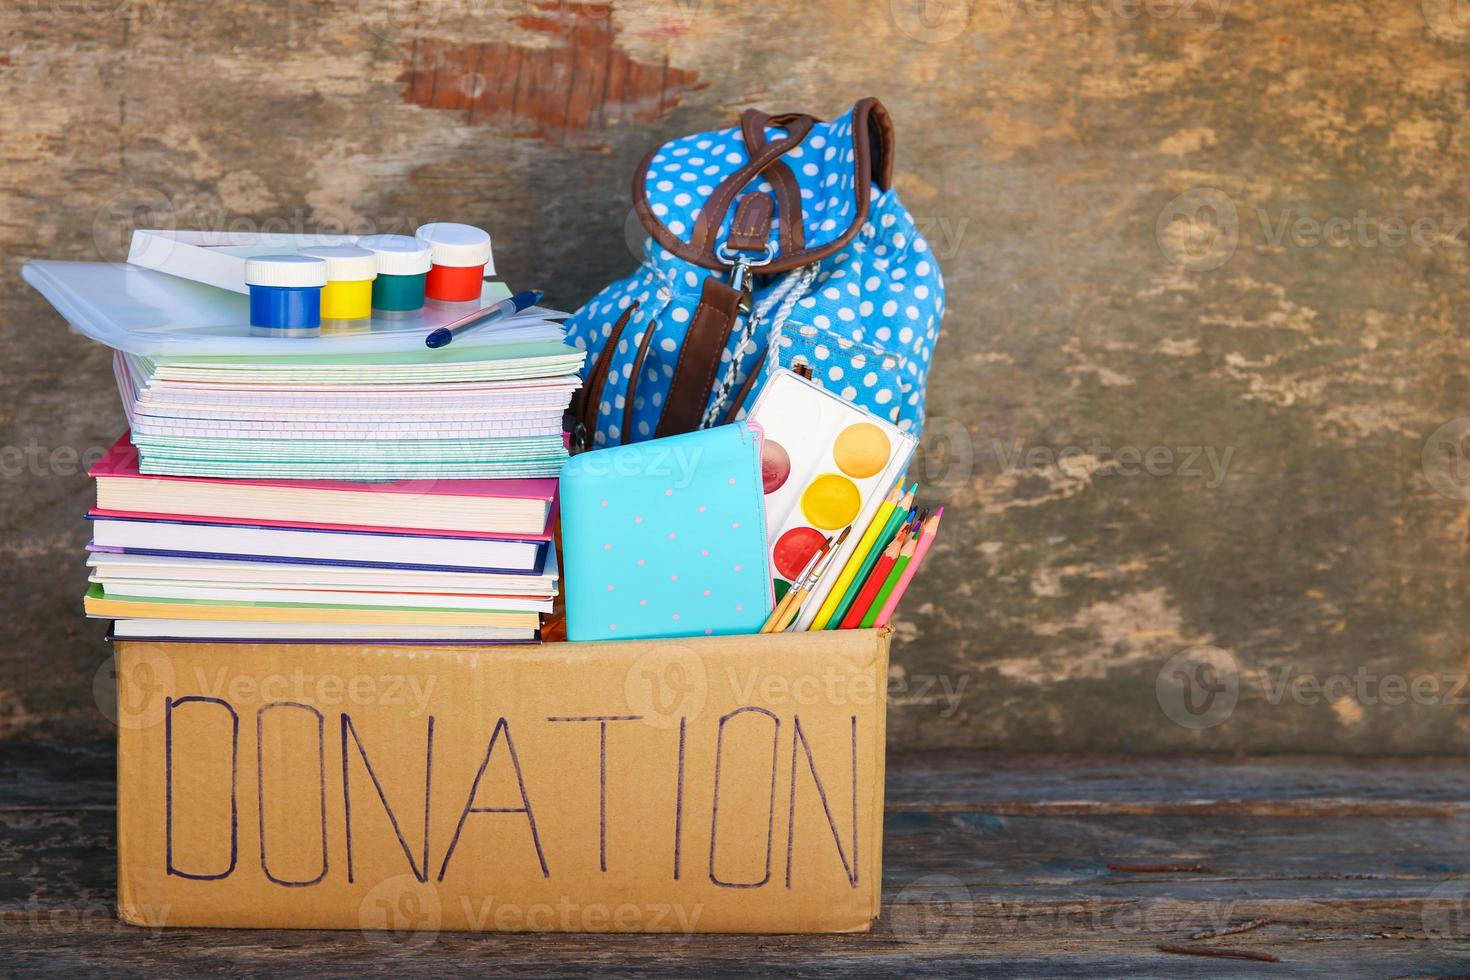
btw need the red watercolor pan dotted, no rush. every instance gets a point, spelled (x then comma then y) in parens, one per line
(794, 549)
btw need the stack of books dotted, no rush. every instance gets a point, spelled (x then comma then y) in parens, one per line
(236, 560)
(351, 486)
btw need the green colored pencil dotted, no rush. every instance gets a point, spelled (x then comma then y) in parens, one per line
(904, 557)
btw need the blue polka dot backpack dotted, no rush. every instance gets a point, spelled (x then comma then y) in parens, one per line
(777, 243)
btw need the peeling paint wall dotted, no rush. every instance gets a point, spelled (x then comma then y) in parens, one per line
(1194, 411)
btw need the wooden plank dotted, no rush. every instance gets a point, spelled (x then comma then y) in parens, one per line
(959, 779)
(57, 869)
(966, 889)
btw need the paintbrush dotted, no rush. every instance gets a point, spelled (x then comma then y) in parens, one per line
(780, 610)
(798, 595)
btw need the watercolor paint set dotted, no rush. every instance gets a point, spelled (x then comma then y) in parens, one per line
(826, 466)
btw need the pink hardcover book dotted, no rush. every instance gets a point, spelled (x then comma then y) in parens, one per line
(437, 532)
(470, 508)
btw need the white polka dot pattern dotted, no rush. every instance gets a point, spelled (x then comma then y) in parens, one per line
(867, 324)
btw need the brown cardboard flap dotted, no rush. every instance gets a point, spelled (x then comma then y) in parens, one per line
(727, 784)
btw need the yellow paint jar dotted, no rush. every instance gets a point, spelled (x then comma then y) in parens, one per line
(348, 294)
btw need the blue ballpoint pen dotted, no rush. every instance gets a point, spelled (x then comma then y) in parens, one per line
(506, 307)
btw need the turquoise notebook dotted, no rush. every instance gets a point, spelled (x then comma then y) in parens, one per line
(666, 538)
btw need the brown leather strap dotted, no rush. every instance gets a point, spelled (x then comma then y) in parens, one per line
(591, 395)
(753, 125)
(632, 392)
(872, 136)
(699, 358)
(751, 229)
(712, 215)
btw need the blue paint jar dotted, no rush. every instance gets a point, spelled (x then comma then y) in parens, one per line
(285, 294)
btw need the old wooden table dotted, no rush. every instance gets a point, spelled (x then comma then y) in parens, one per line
(1001, 865)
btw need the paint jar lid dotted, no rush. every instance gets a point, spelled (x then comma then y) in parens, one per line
(398, 255)
(455, 245)
(289, 271)
(345, 263)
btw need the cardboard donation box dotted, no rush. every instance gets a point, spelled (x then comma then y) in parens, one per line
(719, 784)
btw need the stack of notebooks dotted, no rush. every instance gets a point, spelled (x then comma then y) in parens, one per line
(427, 561)
(462, 412)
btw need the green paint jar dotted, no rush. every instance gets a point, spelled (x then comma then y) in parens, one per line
(403, 268)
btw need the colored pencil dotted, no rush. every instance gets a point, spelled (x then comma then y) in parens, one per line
(905, 555)
(905, 541)
(926, 538)
(864, 545)
(873, 582)
(780, 610)
(804, 588)
(897, 519)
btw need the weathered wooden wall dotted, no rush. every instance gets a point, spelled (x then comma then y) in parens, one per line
(1206, 262)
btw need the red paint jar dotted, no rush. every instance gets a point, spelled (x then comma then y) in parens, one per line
(461, 257)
